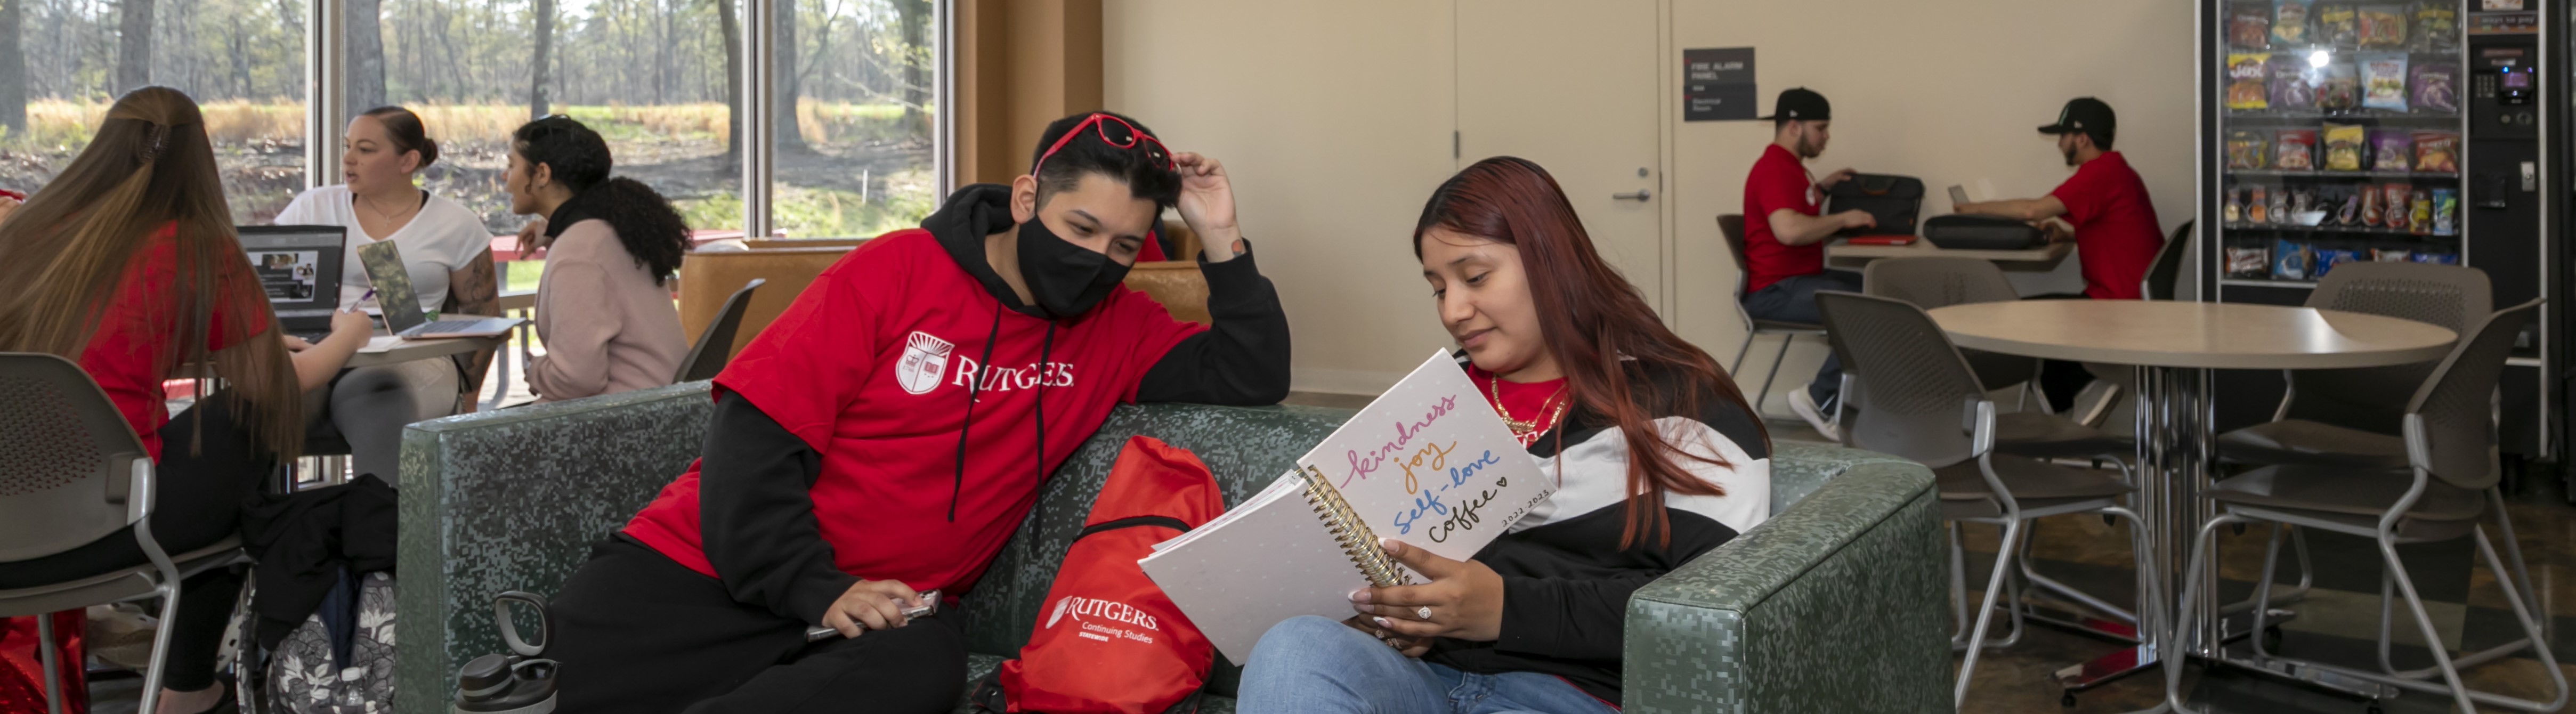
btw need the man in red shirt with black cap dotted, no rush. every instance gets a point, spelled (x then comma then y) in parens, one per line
(886, 434)
(1784, 235)
(2116, 236)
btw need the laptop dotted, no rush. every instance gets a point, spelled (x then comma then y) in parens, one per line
(299, 267)
(401, 306)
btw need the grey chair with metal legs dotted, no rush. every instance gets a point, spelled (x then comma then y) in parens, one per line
(1732, 226)
(2448, 482)
(1933, 282)
(72, 472)
(2349, 417)
(1919, 400)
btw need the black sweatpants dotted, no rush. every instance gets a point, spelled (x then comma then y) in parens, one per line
(196, 502)
(638, 633)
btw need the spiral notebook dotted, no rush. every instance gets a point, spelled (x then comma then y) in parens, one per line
(1429, 463)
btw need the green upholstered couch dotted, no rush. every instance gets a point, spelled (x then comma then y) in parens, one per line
(1836, 604)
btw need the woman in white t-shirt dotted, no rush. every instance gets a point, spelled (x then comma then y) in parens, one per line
(444, 248)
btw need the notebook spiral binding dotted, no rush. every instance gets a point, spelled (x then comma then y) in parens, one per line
(1352, 532)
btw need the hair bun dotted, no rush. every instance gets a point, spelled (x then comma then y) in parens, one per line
(428, 152)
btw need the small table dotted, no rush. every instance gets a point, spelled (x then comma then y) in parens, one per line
(1842, 254)
(384, 349)
(2174, 345)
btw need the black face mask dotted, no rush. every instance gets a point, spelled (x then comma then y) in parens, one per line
(1065, 278)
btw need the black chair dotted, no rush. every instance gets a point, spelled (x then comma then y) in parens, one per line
(1732, 226)
(2447, 483)
(72, 472)
(2158, 283)
(715, 346)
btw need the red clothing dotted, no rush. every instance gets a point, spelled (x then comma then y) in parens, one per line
(129, 354)
(2115, 226)
(871, 367)
(1778, 181)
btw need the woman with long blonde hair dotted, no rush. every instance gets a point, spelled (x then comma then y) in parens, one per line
(127, 263)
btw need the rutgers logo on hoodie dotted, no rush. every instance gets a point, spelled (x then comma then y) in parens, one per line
(924, 359)
(872, 365)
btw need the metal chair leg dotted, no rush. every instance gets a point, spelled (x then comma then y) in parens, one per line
(2523, 613)
(1958, 585)
(53, 668)
(2263, 589)
(1740, 352)
(2512, 545)
(2191, 583)
(2424, 621)
(1985, 613)
(1765, 394)
(152, 669)
(2307, 574)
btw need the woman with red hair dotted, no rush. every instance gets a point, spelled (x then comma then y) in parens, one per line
(1658, 461)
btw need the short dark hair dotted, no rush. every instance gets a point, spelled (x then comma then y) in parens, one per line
(1146, 175)
(2101, 140)
(406, 130)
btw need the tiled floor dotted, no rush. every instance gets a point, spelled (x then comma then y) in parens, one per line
(2337, 622)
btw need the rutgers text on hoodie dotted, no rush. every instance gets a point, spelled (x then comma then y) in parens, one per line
(897, 420)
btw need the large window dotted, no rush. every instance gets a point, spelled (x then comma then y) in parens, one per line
(853, 109)
(859, 76)
(652, 76)
(243, 61)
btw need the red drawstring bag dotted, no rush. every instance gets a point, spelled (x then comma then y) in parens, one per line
(22, 667)
(1109, 640)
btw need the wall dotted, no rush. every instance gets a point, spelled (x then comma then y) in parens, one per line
(1020, 65)
(1950, 92)
(1332, 117)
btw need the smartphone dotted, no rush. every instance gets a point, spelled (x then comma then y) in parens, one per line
(929, 608)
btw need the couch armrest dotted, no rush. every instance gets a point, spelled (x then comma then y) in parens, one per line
(1835, 604)
(513, 499)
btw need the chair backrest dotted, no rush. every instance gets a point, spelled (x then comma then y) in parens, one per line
(2450, 424)
(704, 362)
(1915, 389)
(1731, 225)
(2454, 297)
(2167, 270)
(66, 458)
(1931, 282)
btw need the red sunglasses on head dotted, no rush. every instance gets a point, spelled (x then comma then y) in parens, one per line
(1099, 123)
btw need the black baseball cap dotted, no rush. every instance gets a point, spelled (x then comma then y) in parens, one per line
(2087, 115)
(1800, 104)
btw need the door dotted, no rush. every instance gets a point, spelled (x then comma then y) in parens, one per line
(1572, 86)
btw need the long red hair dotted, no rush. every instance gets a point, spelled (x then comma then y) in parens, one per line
(1599, 328)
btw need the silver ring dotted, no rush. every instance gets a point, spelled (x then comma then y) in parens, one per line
(1422, 613)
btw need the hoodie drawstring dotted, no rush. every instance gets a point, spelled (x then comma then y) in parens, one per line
(975, 387)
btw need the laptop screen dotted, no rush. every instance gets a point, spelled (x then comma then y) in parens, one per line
(394, 295)
(299, 266)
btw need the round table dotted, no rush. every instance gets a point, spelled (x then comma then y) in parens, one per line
(2173, 346)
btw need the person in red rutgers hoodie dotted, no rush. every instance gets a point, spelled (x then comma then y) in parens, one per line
(889, 431)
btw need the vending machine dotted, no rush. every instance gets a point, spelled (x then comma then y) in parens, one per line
(2338, 132)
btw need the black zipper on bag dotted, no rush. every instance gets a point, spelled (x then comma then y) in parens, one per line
(1164, 521)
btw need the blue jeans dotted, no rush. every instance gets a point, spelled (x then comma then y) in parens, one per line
(1793, 299)
(1311, 664)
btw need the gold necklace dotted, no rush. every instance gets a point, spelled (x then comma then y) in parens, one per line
(1526, 430)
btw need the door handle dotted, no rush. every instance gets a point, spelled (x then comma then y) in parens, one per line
(1639, 195)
